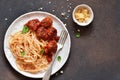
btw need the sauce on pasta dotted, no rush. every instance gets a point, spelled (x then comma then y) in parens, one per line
(34, 49)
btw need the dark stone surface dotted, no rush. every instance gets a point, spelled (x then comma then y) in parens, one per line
(93, 56)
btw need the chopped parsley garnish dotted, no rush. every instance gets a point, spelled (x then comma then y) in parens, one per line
(77, 35)
(25, 29)
(59, 58)
(42, 51)
(22, 53)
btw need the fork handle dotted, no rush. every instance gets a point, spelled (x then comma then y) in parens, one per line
(49, 71)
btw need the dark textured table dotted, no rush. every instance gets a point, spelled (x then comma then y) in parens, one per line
(93, 56)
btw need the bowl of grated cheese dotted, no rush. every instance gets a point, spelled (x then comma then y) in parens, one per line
(83, 15)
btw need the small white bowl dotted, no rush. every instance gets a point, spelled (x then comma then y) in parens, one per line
(85, 23)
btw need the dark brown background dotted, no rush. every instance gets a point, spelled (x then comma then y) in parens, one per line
(93, 56)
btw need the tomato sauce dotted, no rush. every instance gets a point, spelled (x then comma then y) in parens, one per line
(44, 30)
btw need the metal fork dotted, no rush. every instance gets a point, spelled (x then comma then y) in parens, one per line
(61, 42)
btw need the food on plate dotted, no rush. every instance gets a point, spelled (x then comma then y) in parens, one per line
(34, 46)
(59, 58)
(33, 24)
(82, 14)
(46, 22)
(50, 49)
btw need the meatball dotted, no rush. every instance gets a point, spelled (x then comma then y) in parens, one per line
(41, 33)
(52, 32)
(51, 47)
(46, 22)
(56, 38)
(33, 24)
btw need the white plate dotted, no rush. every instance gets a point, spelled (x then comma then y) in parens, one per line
(17, 25)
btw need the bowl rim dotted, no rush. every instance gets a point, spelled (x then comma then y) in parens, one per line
(91, 11)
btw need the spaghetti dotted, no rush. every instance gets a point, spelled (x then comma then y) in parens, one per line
(32, 60)
(33, 49)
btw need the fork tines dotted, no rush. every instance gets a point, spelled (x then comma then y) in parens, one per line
(63, 37)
